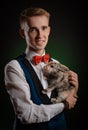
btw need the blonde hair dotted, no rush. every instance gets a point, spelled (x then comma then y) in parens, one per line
(33, 11)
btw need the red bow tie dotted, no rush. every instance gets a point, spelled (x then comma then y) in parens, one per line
(37, 59)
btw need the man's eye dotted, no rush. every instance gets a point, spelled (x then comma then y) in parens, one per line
(44, 28)
(32, 30)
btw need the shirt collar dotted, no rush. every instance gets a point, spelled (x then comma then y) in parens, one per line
(30, 54)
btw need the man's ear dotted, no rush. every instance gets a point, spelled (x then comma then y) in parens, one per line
(21, 31)
(49, 30)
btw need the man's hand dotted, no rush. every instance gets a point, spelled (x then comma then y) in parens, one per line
(73, 80)
(71, 99)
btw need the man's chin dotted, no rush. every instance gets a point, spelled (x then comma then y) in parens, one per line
(36, 49)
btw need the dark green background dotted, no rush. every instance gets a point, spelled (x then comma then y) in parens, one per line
(67, 44)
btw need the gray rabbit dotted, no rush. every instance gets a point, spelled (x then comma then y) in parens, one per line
(57, 78)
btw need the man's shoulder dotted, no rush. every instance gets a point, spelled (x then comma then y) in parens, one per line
(14, 61)
(11, 63)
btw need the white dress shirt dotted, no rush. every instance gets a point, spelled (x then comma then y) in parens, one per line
(19, 91)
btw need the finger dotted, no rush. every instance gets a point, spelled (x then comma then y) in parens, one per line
(74, 83)
(72, 75)
(73, 80)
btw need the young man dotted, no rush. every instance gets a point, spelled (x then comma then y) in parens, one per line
(24, 79)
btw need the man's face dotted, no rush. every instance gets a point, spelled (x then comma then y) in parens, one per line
(37, 32)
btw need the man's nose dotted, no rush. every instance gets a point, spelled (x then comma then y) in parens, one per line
(40, 33)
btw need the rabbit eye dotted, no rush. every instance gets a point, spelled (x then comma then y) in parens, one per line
(52, 66)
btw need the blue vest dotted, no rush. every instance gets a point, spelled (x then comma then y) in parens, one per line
(56, 123)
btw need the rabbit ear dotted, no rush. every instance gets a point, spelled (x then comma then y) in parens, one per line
(64, 68)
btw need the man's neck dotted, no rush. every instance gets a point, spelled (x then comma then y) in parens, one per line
(40, 52)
